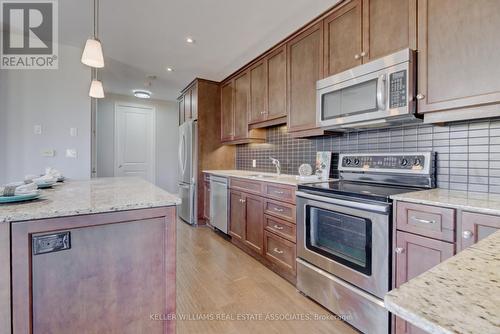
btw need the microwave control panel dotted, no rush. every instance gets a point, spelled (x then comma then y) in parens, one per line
(397, 89)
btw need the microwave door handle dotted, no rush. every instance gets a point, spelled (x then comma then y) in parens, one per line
(381, 92)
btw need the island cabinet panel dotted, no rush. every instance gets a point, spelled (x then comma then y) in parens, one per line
(227, 114)
(475, 227)
(343, 38)
(5, 278)
(458, 57)
(118, 270)
(414, 256)
(206, 199)
(305, 68)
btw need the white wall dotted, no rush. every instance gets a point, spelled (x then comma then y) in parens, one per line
(55, 99)
(167, 133)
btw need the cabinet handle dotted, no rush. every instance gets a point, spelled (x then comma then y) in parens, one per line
(467, 234)
(277, 250)
(420, 96)
(363, 54)
(279, 192)
(399, 250)
(278, 227)
(278, 210)
(423, 221)
(356, 56)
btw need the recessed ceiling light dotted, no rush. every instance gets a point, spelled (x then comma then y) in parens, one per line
(170, 69)
(142, 94)
(190, 40)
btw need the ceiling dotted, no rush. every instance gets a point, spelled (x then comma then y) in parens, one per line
(142, 38)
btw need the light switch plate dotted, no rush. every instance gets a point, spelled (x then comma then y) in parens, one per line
(37, 129)
(48, 152)
(71, 153)
(73, 132)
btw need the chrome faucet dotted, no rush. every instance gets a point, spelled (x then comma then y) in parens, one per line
(276, 164)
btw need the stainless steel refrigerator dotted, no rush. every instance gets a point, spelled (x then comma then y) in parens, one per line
(188, 164)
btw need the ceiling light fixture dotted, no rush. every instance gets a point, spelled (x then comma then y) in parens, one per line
(142, 94)
(92, 53)
(170, 69)
(190, 40)
(96, 89)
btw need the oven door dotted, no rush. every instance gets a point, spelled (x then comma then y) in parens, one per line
(346, 238)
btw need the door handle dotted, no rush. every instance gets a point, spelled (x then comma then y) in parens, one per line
(120, 166)
(381, 92)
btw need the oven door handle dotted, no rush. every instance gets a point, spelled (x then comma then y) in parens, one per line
(381, 92)
(352, 204)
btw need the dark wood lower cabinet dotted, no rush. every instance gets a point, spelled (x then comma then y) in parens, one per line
(254, 222)
(236, 215)
(117, 276)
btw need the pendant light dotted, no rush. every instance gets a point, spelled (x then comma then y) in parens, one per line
(92, 53)
(96, 89)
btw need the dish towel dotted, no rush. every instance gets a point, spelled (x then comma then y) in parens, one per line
(18, 188)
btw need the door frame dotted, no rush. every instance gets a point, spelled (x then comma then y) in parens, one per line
(152, 135)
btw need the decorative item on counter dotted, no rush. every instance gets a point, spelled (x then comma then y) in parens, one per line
(54, 173)
(323, 164)
(18, 191)
(43, 182)
(305, 170)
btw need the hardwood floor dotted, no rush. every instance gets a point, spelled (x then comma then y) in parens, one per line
(215, 278)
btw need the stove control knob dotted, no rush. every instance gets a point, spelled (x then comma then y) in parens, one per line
(404, 162)
(356, 162)
(348, 161)
(417, 162)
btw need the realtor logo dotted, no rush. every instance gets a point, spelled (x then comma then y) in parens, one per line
(29, 34)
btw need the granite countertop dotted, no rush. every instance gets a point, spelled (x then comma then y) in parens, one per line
(469, 201)
(98, 195)
(460, 295)
(268, 177)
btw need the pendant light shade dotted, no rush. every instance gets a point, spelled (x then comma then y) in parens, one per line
(96, 89)
(92, 54)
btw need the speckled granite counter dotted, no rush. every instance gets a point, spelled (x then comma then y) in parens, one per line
(265, 177)
(85, 197)
(460, 295)
(469, 201)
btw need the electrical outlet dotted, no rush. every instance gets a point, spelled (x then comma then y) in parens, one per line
(73, 132)
(49, 153)
(254, 163)
(37, 129)
(71, 153)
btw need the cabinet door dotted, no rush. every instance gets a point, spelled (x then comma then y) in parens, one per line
(276, 82)
(206, 200)
(476, 227)
(254, 228)
(305, 66)
(237, 215)
(414, 256)
(459, 50)
(258, 92)
(241, 105)
(227, 111)
(187, 105)
(194, 102)
(181, 110)
(343, 40)
(388, 26)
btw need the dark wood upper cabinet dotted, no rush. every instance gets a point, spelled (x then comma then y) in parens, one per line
(241, 105)
(276, 83)
(388, 26)
(305, 67)
(258, 92)
(343, 38)
(227, 115)
(180, 102)
(458, 57)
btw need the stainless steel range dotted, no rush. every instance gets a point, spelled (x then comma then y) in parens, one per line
(344, 233)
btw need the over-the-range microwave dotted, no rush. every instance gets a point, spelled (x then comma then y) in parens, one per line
(376, 94)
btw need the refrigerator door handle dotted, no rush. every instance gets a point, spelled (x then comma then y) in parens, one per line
(182, 152)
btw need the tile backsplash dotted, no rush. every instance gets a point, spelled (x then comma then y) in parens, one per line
(468, 152)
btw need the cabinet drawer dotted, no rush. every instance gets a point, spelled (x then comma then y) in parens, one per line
(253, 187)
(280, 227)
(280, 210)
(280, 192)
(430, 221)
(279, 251)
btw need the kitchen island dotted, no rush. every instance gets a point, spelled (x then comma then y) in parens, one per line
(89, 256)
(460, 295)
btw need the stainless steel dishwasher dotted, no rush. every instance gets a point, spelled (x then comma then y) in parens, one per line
(218, 202)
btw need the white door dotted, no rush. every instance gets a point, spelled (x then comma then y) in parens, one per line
(135, 147)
